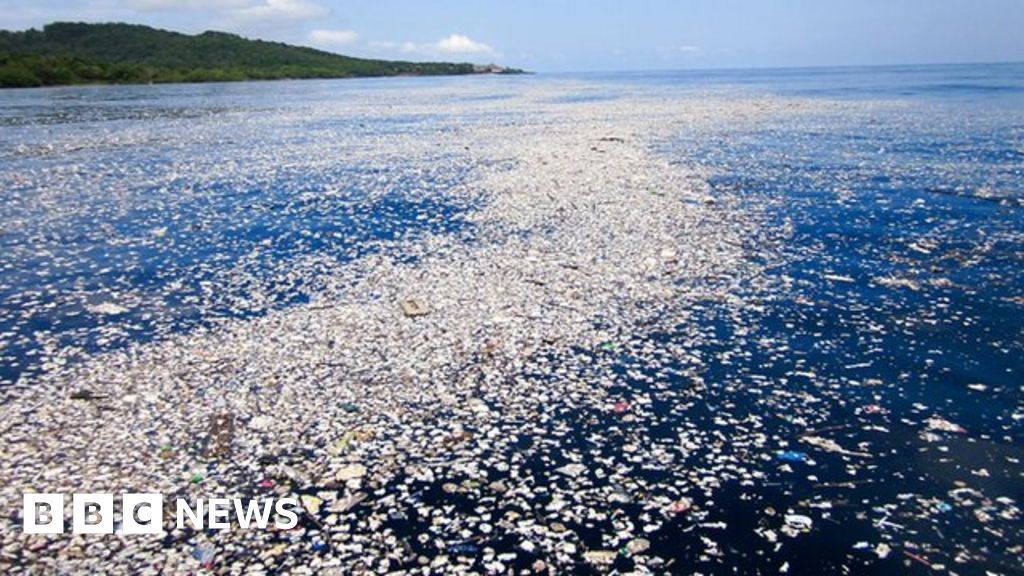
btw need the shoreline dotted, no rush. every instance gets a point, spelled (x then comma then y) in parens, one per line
(255, 79)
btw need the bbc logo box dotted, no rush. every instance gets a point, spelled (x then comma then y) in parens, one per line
(93, 513)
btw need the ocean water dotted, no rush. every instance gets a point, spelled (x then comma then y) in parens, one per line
(897, 302)
(890, 319)
(983, 84)
(889, 324)
(131, 213)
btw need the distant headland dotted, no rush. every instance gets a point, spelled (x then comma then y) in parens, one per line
(65, 53)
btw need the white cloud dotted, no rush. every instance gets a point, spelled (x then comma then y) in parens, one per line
(456, 44)
(330, 38)
(459, 44)
(278, 10)
(688, 48)
(273, 11)
(403, 47)
(206, 5)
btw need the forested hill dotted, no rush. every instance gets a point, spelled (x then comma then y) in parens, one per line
(78, 53)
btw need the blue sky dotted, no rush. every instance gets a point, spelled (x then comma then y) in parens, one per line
(567, 35)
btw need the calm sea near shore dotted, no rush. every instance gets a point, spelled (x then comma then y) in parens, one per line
(851, 401)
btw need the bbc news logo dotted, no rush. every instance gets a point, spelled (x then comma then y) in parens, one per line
(93, 513)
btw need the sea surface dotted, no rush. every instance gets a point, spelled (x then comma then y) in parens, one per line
(130, 213)
(895, 314)
(897, 324)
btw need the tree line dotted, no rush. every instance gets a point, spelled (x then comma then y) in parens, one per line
(77, 53)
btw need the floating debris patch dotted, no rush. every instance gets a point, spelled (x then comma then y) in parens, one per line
(662, 342)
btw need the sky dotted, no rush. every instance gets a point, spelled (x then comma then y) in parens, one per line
(583, 35)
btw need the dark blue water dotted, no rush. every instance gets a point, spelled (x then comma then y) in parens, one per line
(868, 379)
(890, 321)
(897, 302)
(871, 379)
(130, 213)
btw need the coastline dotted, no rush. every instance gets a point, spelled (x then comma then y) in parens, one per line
(508, 72)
